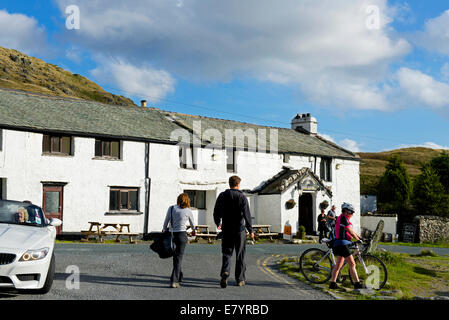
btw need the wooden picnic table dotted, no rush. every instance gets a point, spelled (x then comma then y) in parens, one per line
(263, 230)
(202, 231)
(98, 230)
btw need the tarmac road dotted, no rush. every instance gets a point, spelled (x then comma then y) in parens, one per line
(134, 272)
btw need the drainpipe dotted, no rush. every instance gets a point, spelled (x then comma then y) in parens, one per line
(147, 190)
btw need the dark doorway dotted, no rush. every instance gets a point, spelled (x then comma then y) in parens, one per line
(305, 214)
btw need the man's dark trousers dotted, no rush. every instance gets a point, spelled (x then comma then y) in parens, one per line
(231, 241)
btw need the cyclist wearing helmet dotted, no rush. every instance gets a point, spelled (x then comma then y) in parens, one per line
(343, 238)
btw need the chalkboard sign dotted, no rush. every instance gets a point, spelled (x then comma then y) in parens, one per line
(408, 232)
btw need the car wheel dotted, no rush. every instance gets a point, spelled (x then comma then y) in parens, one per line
(50, 276)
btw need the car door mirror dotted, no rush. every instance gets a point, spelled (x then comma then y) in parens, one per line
(55, 222)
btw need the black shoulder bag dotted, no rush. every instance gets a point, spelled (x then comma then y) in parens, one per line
(164, 245)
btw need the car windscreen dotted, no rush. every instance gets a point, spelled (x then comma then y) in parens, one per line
(20, 213)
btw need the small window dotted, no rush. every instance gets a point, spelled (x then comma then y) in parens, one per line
(187, 157)
(230, 160)
(326, 169)
(124, 199)
(57, 144)
(197, 198)
(107, 148)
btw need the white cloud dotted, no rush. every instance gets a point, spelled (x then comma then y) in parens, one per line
(325, 47)
(351, 145)
(144, 81)
(20, 32)
(422, 89)
(430, 145)
(435, 36)
(347, 144)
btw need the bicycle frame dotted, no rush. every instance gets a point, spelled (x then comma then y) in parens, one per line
(356, 253)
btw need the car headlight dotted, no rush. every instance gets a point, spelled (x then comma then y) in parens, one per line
(33, 255)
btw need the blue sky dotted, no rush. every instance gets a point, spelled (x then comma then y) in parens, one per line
(372, 87)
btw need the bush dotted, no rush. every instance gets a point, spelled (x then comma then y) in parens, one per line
(301, 232)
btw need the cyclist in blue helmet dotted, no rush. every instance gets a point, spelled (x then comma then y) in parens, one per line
(344, 233)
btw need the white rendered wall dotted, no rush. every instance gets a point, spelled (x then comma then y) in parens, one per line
(86, 194)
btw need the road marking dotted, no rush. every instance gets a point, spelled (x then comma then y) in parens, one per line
(267, 270)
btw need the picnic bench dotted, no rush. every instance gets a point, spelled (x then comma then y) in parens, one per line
(202, 231)
(263, 230)
(98, 230)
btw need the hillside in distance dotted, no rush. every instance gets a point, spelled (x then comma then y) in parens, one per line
(372, 165)
(21, 72)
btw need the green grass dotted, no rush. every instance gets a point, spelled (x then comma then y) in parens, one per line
(407, 244)
(425, 274)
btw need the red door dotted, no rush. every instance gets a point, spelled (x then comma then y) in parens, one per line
(52, 203)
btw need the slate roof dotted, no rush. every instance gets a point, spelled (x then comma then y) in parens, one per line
(285, 178)
(35, 112)
(42, 113)
(289, 141)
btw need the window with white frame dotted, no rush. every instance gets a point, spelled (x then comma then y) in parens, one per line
(326, 169)
(197, 198)
(123, 199)
(187, 157)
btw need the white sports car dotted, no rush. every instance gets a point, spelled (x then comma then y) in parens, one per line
(27, 241)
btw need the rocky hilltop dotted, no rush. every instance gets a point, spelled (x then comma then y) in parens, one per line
(21, 72)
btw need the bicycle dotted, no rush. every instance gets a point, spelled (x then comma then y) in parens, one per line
(316, 265)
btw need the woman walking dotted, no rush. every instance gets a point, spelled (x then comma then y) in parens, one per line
(177, 217)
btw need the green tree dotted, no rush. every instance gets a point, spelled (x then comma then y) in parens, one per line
(429, 197)
(441, 166)
(395, 187)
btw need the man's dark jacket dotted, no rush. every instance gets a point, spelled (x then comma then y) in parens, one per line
(232, 210)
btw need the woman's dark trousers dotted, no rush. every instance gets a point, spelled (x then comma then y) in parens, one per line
(180, 240)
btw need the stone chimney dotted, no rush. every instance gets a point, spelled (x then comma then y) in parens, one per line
(143, 103)
(306, 122)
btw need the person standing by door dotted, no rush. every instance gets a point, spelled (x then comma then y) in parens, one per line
(322, 225)
(233, 217)
(177, 216)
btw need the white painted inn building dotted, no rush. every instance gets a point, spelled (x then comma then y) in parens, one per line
(87, 161)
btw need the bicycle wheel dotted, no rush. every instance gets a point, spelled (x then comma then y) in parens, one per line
(315, 265)
(377, 275)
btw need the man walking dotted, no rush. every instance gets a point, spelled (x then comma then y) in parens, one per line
(232, 216)
(331, 218)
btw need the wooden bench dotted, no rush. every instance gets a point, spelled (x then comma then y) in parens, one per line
(97, 229)
(202, 231)
(263, 230)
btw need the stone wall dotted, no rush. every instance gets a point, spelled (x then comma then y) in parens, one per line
(432, 228)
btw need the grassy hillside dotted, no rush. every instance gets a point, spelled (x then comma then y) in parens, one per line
(21, 72)
(373, 165)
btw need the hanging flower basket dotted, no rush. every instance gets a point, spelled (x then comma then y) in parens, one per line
(324, 205)
(290, 204)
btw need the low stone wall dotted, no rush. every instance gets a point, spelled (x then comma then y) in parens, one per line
(432, 228)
